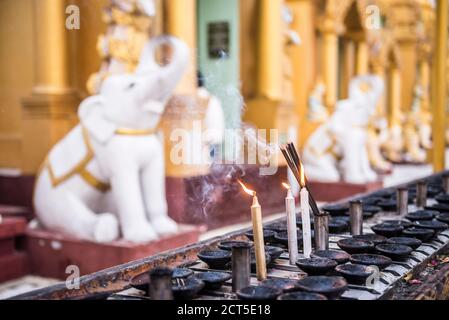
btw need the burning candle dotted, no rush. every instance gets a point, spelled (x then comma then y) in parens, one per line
(291, 225)
(256, 218)
(305, 214)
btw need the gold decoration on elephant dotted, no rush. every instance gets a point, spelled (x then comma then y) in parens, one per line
(80, 169)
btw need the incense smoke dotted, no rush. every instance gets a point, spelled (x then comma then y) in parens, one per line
(244, 145)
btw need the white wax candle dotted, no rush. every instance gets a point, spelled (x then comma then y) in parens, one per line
(305, 215)
(291, 227)
(259, 243)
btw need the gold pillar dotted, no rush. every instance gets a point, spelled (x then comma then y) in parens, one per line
(270, 49)
(330, 67)
(50, 112)
(439, 98)
(304, 74)
(180, 21)
(394, 97)
(362, 54)
(349, 69)
(51, 41)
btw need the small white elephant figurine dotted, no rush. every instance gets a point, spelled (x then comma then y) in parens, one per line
(339, 145)
(107, 175)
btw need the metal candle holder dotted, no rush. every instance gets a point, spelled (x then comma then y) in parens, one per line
(356, 217)
(402, 201)
(446, 183)
(421, 194)
(160, 284)
(321, 231)
(241, 266)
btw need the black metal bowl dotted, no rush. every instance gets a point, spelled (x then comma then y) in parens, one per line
(394, 251)
(213, 280)
(337, 226)
(258, 293)
(316, 266)
(374, 238)
(385, 193)
(228, 244)
(181, 273)
(419, 233)
(274, 252)
(442, 198)
(184, 289)
(434, 189)
(336, 255)
(434, 225)
(388, 204)
(387, 230)
(299, 295)
(421, 215)
(441, 207)
(371, 260)
(406, 241)
(282, 284)
(371, 201)
(352, 245)
(371, 209)
(268, 235)
(277, 226)
(215, 259)
(336, 210)
(443, 217)
(332, 287)
(282, 237)
(253, 260)
(355, 273)
(403, 223)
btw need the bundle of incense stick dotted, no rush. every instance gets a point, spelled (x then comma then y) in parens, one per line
(294, 163)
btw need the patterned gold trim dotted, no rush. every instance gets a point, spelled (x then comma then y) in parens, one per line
(80, 169)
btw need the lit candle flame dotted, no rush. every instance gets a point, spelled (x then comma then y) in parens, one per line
(248, 191)
(302, 175)
(286, 186)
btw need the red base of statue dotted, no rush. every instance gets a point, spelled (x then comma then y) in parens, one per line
(13, 263)
(334, 191)
(51, 253)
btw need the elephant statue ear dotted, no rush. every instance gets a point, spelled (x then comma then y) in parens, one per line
(91, 114)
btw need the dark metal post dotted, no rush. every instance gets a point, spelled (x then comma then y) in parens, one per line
(421, 194)
(402, 201)
(160, 284)
(356, 217)
(322, 231)
(241, 266)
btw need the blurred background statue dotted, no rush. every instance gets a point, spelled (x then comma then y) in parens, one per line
(317, 111)
(337, 150)
(417, 130)
(106, 176)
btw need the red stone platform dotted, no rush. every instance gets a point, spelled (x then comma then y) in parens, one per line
(334, 191)
(13, 263)
(50, 253)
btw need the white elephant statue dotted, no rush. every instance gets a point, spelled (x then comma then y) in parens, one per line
(337, 150)
(106, 177)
